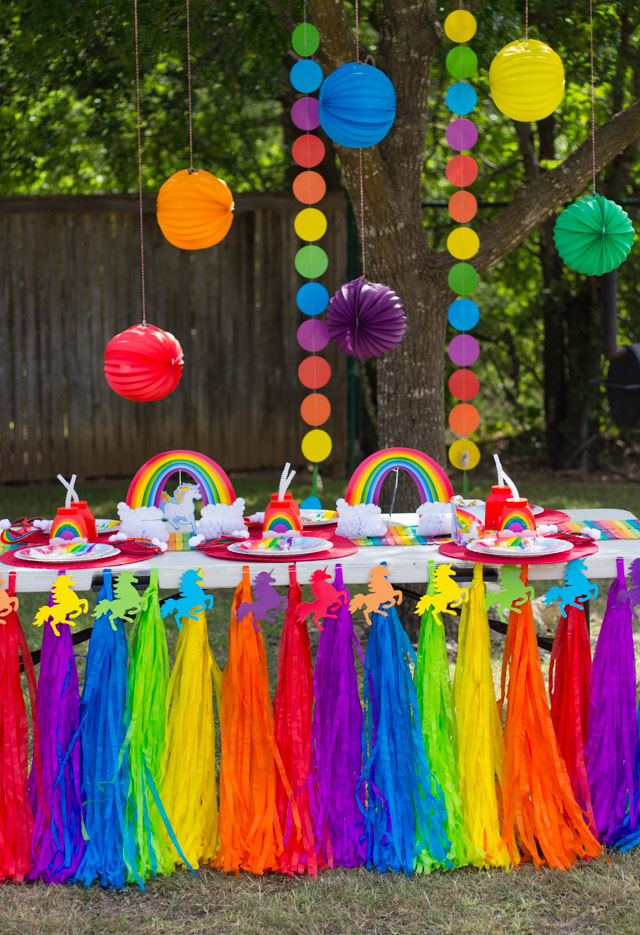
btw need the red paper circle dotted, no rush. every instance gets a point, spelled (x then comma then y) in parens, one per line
(143, 363)
(314, 372)
(315, 409)
(462, 171)
(464, 419)
(464, 384)
(462, 207)
(308, 150)
(309, 187)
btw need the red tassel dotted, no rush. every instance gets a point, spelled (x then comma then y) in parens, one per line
(16, 816)
(292, 710)
(569, 673)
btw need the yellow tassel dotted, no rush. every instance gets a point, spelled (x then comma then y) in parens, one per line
(189, 786)
(480, 744)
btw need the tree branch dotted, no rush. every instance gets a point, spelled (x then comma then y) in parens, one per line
(536, 200)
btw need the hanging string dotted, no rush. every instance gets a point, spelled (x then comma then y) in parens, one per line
(135, 23)
(191, 169)
(364, 263)
(526, 20)
(593, 100)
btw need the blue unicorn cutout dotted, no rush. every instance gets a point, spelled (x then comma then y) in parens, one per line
(191, 599)
(576, 587)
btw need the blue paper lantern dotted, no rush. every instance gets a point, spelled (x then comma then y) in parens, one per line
(357, 105)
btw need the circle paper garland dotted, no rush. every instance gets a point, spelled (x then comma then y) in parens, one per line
(593, 235)
(463, 242)
(311, 261)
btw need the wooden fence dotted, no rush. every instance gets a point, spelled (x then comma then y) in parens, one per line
(70, 280)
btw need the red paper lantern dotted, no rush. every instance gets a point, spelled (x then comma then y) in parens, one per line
(143, 363)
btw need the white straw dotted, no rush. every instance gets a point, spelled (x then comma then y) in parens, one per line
(285, 480)
(69, 486)
(499, 470)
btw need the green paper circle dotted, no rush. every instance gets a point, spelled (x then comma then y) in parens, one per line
(463, 278)
(305, 39)
(593, 235)
(462, 62)
(311, 261)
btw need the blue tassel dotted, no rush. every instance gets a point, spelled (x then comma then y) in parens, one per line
(404, 812)
(102, 723)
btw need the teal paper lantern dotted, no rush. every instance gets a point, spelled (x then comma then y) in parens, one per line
(593, 235)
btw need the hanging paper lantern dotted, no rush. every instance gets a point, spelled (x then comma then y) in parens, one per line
(526, 79)
(143, 363)
(195, 209)
(366, 319)
(357, 105)
(593, 235)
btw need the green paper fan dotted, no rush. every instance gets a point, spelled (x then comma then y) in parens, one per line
(593, 235)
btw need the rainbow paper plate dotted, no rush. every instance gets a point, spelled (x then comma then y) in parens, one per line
(107, 525)
(281, 545)
(318, 517)
(520, 545)
(66, 554)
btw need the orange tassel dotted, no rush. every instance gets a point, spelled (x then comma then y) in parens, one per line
(539, 808)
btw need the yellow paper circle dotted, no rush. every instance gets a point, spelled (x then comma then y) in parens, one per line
(316, 445)
(526, 80)
(463, 243)
(460, 26)
(464, 454)
(310, 224)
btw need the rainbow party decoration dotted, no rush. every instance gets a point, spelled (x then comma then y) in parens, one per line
(366, 482)
(516, 516)
(462, 242)
(147, 485)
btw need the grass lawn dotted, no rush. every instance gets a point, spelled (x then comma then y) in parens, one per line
(601, 897)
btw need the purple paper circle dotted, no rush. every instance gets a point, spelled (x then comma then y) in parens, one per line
(461, 134)
(304, 113)
(313, 335)
(464, 350)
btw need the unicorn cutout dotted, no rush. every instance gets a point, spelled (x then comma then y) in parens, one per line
(381, 594)
(325, 598)
(126, 602)
(191, 601)
(446, 593)
(513, 593)
(66, 605)
(634, 592)
(576, 589)
(8, 605)
(267, 600)
(179, 510)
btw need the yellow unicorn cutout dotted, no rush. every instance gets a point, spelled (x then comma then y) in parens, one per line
(447, 593)
(381, 594)
(66, 605)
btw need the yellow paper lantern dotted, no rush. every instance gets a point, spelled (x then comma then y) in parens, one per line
(195, 209)
(463, 243)
(460, 26)
(526, 80)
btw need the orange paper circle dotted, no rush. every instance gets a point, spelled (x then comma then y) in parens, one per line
(309, 187)
(314, 372)
(195, 209)
(315, 409)
(464, 419)
(464, 384)
(463, 207)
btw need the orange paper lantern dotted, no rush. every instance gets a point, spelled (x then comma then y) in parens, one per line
(195, 209)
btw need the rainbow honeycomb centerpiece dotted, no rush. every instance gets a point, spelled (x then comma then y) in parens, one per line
(148, 484)
(516, 516)
(430, 479)
(282, 515)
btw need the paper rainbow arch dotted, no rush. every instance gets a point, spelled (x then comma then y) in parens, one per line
(430, 479)
(147, 485)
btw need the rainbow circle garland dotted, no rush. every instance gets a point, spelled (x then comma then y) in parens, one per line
(462, 242)
(311, 260)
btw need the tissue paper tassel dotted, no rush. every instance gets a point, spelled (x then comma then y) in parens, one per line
(336, 737)
(102, 713)
(539, 807)
(249, 828)
(480, 746)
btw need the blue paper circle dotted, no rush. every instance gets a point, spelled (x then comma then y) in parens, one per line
(461, 98)
(463, 314)
(306, 76)
(357, 105)
(312, 298)
(311, 503)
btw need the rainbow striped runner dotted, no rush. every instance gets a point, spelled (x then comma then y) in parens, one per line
(609, 529)
(398, 535)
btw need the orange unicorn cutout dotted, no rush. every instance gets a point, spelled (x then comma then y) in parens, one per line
(8, 604)
(381, 594)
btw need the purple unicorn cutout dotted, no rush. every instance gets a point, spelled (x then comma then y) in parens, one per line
(267, 600)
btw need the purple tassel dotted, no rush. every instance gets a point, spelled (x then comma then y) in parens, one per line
(57, 844)
(611, 750)
(336, 743)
